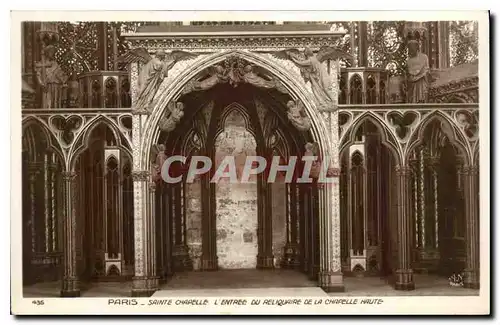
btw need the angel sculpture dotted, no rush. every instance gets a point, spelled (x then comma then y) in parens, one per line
(312, 149)
(153, 72)
(297, 116)
(216, 74)
(249, 76)
(169, 122)
(313, 71)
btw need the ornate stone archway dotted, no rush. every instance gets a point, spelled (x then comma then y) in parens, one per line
(145, 131)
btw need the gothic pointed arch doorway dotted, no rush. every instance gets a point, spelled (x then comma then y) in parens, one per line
(307, 212)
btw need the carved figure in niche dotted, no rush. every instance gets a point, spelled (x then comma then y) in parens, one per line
(418, 77)
(158, 164)
(51, 79)
(314, 71)
(312, 149)
(169, 122)
(154, 71)
(297, 116)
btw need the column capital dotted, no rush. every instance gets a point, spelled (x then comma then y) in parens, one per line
(140, 175)
(333, 172)
(433, 161)
(470, 170)
(69, 176)
(402, 170)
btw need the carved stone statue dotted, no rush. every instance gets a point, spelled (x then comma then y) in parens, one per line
(418, 77)
(297, 116)
(158, 164)
(169, 122)
(313, 150)
(314, 71)
(51, 79)
(154, 71)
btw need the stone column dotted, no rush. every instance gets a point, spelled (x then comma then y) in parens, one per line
(404, 273)
(471, 196)
(145, 281)
(209, 260)
(330, 274)
(265, 258)
(70, 283)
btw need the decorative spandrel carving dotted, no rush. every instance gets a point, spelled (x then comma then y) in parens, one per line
(152, 73)
(65, 128)
(170, 119)
(297, 115)
(313, 71)
(402, 123)
(234, 71)
(52, 79)
(468, 122)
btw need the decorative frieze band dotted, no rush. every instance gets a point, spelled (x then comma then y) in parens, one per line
(140, 175)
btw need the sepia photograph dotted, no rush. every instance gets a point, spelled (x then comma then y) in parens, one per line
(275, 166)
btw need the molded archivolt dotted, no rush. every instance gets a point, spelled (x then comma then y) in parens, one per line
(449, 127)
(81, 143)
(319, 130)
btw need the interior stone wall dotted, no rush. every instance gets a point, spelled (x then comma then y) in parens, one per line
(236, 212)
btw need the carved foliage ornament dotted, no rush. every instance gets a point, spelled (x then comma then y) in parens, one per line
(250, 42)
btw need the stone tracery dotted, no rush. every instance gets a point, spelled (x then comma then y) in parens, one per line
(398, 128)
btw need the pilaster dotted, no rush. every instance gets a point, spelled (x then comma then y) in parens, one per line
(330, 276)
(70, 282)
(145, 281)
(471, 193)
(404, 273)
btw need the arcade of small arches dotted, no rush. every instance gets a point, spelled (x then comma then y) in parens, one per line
(405, 200)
